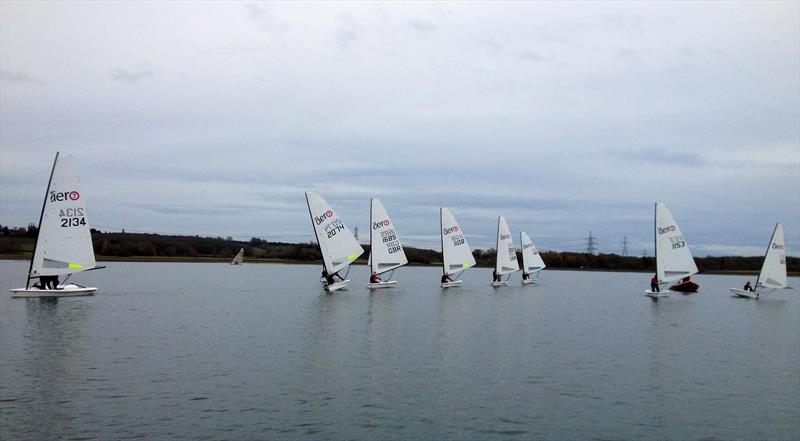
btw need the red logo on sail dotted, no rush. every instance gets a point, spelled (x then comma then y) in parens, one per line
(74, 195)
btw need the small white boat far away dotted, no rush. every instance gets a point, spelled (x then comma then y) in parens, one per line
(456, 255)
(386, 252)
(64, 244)
(238, 258)
(338, 246)
(532, 261)
(506, 257)
(773, 270)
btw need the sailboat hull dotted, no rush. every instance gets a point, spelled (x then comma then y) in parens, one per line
(744, 294)
(498, 284)
(685, 287)
(529, 281)
(657, 294)
(69, 290)
(381, 285)
(453, 284)
(337, 286)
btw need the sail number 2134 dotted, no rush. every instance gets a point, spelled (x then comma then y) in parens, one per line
(72, 217)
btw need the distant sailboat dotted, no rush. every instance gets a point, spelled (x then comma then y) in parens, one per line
(456, 255)
(674, 261)
(506, 259)
(338, 246)
(773, 270)
(238, 258)
(386, 252)
(64, 244)
(532, 261)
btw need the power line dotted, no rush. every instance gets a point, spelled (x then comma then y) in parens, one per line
(625, 246)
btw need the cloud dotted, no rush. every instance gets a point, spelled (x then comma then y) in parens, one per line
(348, 32)
(8, 76)
(422, 26)
(131, 76)
(264, 18)
(531, 56)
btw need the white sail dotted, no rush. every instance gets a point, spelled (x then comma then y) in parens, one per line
(456, 255)
(673, 259)
(338, 246)
(531, 259)
(386, 251)
(238, 258)
(64, 245)
(773, 271)
(506, 261)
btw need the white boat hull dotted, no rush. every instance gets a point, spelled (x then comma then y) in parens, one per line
(69, 290)
(497, 284)
(744, 294)
(529, 282)
(337, 286)
(655, 295)
(380, 285)
(453, 284)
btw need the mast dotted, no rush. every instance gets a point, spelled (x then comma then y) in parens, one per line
(41, 215)
(522, 244)
(441, 237)
(655, 238)
(763, 262)
(311, 216)
(497, 248)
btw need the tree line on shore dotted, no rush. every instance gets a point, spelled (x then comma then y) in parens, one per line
(144, 245)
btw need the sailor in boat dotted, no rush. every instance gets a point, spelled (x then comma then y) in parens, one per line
(330, 279)
(748, 286)
(48, 282)
(525, 276)
(446, 278)
(496, 276)
(375, 278)
(654, 284)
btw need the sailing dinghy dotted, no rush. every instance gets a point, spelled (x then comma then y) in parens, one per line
(338, 246)
(238, 258)
(386, 252)
(64, 244)
(506, 258)
(773, 270)
(456, 255)
(532, 261)
(674, 261)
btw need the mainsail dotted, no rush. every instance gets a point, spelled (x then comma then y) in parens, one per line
(673, 259)
(238, 258)
(531, 259)
(338, 246)
(456, 255)
(386, 251)
(506, 261)
(773, 271)
(64, 244)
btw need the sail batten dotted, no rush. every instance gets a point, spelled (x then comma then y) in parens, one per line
(674, 261)
(64, 244)
(456, 254)
(338, 246)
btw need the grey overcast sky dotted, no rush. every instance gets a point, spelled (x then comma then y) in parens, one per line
(213, 118)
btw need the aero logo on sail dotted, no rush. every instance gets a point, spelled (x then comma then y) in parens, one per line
(320, 219)
(64, 195)
(447, 231)
(776, 246)
(666, 229)
(505, 236)
(379, 224)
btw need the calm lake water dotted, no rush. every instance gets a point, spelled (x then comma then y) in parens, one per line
(212, 351)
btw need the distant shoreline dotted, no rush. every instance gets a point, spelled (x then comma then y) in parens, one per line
(176, 259)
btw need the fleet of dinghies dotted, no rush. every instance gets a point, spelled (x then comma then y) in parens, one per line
(64, 247)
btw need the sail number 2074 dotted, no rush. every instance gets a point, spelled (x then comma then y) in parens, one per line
(72, 217)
